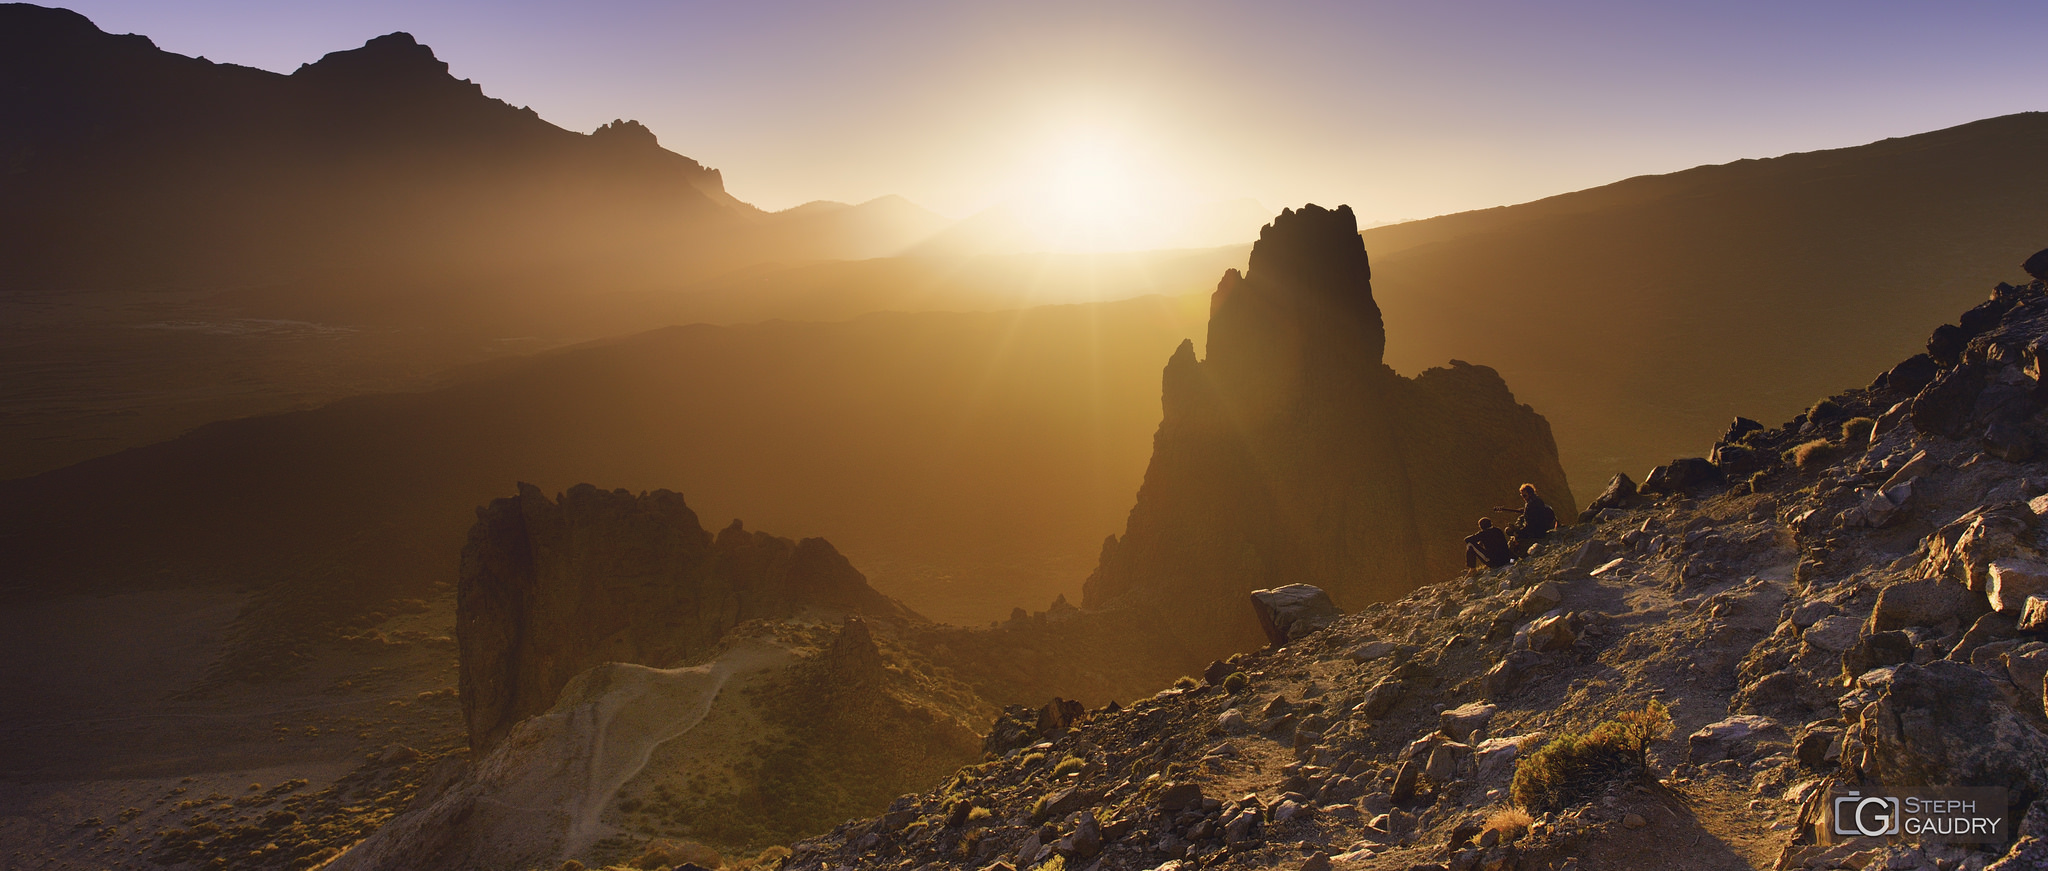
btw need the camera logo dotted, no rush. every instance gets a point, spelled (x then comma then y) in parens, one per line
(1868, 815)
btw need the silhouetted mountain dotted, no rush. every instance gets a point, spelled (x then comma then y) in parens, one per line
(127, 165)
(1292, 454)
(1642, 315)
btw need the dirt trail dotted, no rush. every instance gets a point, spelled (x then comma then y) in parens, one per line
(661, 707)
(541, 792)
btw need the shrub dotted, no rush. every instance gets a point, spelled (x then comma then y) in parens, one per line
(1856, 430)
(1236, 682)
(1069, 765)
(1511, 823)
(979, 816)
(1031, 760)
(1811, 454)
(1823, 411)
(1573, 766)
(1056, 863)
(1187, 683)
(770, 858)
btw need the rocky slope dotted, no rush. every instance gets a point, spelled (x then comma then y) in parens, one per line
(1293, 454)
(553, 587)
(1850, 601)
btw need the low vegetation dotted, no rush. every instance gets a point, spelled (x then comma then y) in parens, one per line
(1573, 766)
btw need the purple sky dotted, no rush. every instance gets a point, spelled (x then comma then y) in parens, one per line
(1403, 110)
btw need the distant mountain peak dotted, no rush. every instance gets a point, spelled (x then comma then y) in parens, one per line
(630, 133)
(391, 58)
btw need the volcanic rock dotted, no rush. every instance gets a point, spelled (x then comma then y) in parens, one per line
(1290, 612)
(1292, 453)
(550, 588)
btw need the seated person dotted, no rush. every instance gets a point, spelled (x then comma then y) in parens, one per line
(1489, 546)
(1538, 519)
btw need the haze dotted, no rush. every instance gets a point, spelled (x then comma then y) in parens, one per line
(1109, 124)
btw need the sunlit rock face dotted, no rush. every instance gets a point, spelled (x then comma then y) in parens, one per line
(550, 588)
(1293, 454)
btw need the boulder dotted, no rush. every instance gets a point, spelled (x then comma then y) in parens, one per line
(1620, 490)
(1944, 605)
(2034, 615)
(1877, 650)
(1551, 633)
(1507, 674)
(1964, 549)
(2007, 441)
(2037, 265)
(1372, 650)
(1945, 345)
(1293, 611)
(1590, 556)
(1739, 737)
(1912, 374)
(1682, 475)
(1833, 634)
(2027, 667)
(1496, 756)
(1943, 407)
(1810, 612)
(1442, 767)
(1947, 724)
(1058, 716)
(1460, 722)
(1069, 800)
(1819, 746)
(1992, 627)
(1543, 597)
(1919, 466)
(1738, 460)
(1085, 841)
(2011, 581)
(1180, 796)
(1740, 427)
(1216, 672)
(1381, 698)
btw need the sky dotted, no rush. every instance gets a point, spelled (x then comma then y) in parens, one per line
(1105, 112)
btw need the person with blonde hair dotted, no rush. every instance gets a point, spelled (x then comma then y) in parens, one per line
(1538, 520)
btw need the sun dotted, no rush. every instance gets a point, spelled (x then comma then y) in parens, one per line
(1094, 192)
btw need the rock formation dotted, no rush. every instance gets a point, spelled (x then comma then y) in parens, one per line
(551, 588)
(1293, 454)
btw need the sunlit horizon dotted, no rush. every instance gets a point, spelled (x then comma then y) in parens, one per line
(1095, 122)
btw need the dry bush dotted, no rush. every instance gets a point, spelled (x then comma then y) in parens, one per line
(1511, 823)
(1857, 430)
(1811, 455)
(1573, 766)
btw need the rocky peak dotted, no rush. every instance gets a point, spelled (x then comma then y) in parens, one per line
(1305, 307)
(391, 59)
(625, 134)
(853, 661)
(551, 587)
(1293, 454)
